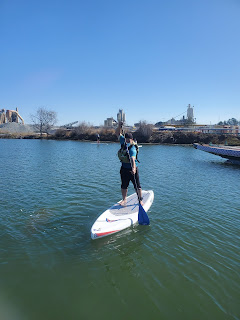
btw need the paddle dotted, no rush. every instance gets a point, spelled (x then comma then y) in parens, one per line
(142, 215)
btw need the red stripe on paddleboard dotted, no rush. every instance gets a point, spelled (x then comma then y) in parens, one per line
(111, 220)
(105, 233)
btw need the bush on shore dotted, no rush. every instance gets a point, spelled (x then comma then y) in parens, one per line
(144, 134)
(193, 137)
(86, 132)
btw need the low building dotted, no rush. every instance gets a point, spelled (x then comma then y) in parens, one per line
(110, 122)
(226, 129)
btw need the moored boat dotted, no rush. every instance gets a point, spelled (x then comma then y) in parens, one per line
(227, 152)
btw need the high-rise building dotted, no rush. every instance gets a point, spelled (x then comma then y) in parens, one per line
(121, 116)
(190, 113)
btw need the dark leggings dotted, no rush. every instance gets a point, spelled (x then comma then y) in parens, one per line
(127, 176)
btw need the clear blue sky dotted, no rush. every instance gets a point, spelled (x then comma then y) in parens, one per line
(86, 59)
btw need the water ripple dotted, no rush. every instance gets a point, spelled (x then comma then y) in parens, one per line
(186, 263)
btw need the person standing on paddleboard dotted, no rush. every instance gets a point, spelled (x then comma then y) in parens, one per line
(129, 169)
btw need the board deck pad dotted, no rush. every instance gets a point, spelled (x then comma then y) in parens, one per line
(118, 217)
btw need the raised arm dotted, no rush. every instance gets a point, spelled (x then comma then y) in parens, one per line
(119, 129)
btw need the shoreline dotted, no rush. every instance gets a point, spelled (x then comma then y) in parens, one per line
(143, 136)
(157, 138)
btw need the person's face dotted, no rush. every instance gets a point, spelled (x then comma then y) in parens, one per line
(128, 140)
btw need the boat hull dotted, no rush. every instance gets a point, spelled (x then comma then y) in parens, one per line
(230, 153)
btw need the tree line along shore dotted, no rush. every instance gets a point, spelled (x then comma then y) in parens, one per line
(142, 135)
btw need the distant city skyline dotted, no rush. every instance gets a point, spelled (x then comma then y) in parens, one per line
(86, 60)
(188, 113)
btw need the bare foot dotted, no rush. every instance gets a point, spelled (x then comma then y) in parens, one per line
(123, 203)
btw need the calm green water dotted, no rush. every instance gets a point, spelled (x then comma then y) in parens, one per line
(185, 265)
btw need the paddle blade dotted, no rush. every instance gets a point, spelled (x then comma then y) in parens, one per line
(142, 216)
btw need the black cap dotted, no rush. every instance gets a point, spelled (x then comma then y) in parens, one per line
(128, 136)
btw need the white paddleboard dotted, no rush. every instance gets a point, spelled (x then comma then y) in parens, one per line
(118, 217)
